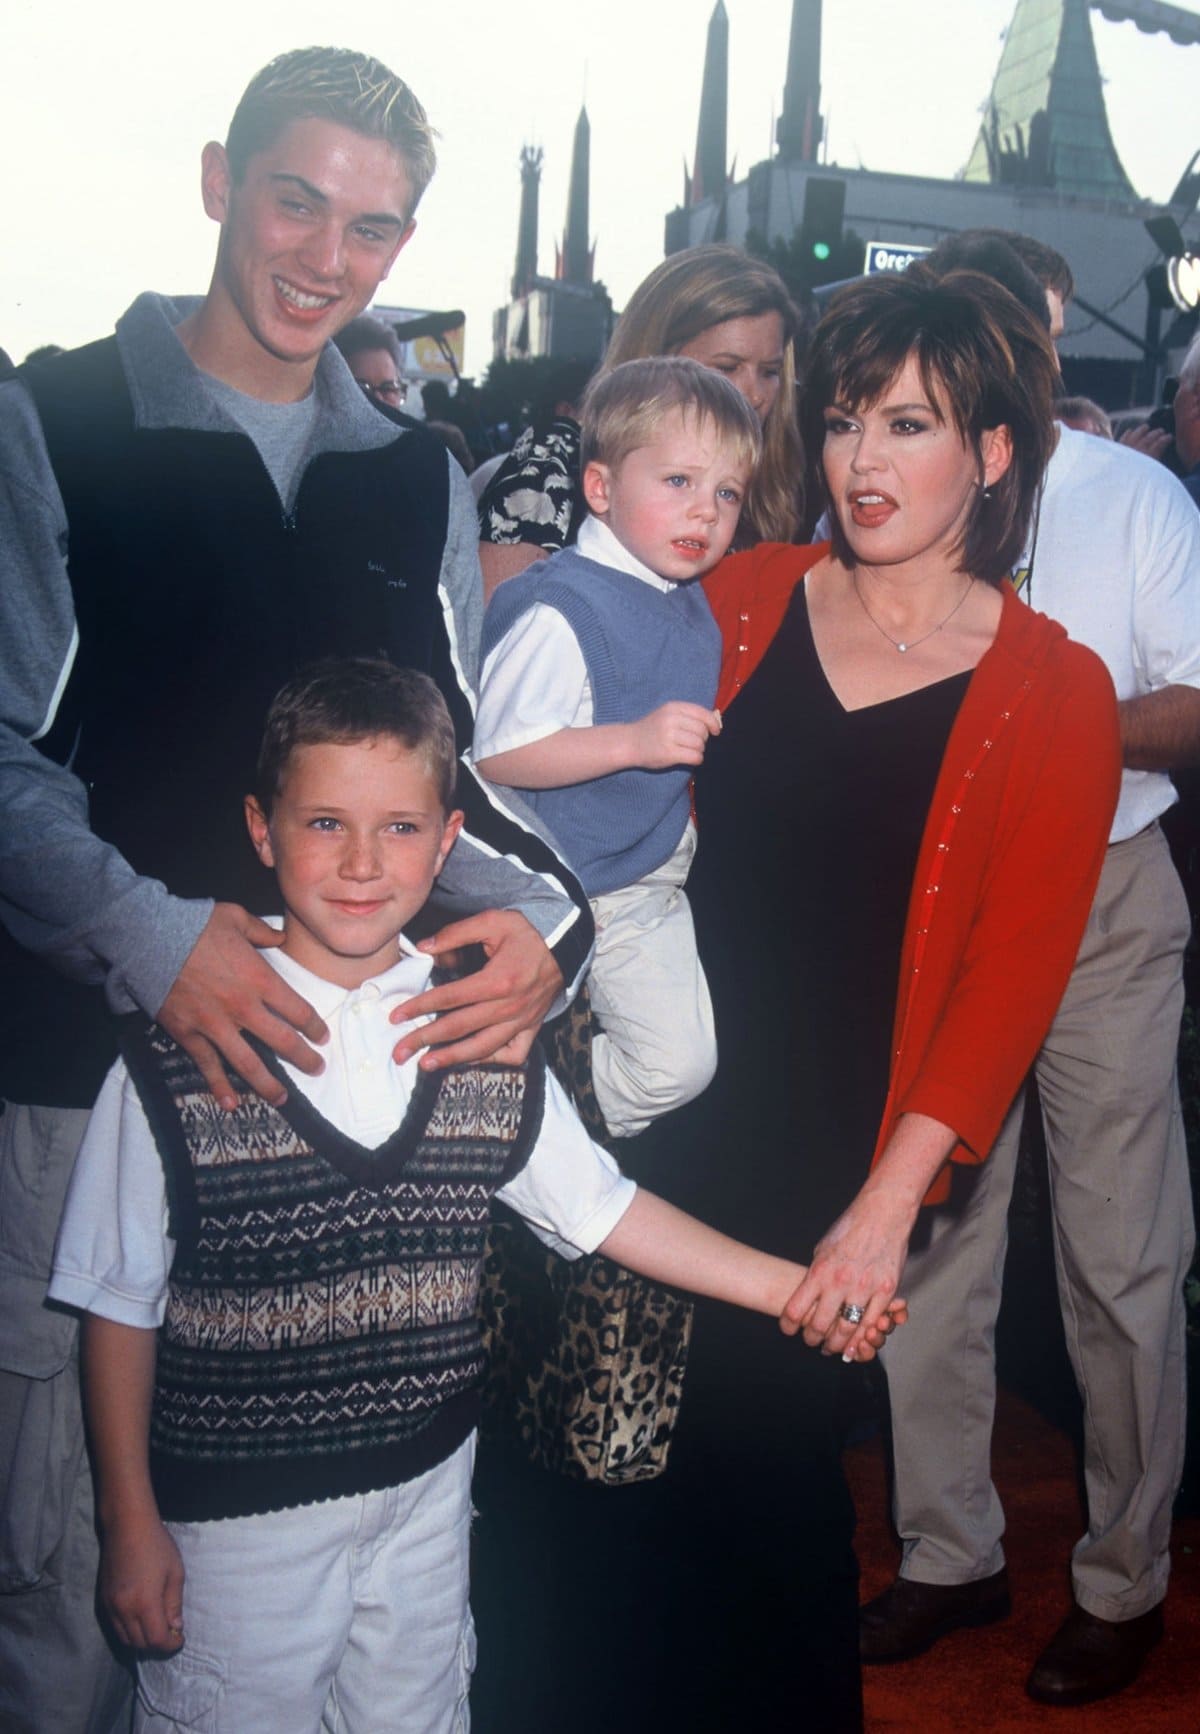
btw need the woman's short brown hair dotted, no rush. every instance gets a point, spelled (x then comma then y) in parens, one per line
(983, 360)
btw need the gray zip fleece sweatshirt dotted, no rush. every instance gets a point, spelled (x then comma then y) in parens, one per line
(64, 893)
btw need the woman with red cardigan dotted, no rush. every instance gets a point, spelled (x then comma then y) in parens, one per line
(901, 828)
(931, 458)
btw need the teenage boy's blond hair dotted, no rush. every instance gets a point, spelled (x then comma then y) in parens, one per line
(624, 408)
(336, 84)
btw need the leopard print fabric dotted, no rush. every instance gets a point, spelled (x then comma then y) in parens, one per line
(586, 1360)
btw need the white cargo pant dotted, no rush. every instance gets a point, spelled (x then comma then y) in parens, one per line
(350, 1616)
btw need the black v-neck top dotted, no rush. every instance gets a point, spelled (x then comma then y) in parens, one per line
(810, 818)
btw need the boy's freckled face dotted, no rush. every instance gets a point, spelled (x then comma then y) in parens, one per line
(675, 502)
(356, 838)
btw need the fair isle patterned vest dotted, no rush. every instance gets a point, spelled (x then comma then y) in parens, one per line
(322, 1334)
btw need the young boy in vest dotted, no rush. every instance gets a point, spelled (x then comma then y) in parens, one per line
(281, 1343)
(599, 677)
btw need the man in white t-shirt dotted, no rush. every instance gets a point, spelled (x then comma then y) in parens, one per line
(1187, 419)
(1114, 554)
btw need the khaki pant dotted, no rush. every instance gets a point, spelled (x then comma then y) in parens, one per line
(1122, 1219)
(57, 1673)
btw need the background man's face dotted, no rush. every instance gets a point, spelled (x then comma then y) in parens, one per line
(1187, 422)
(377, 373)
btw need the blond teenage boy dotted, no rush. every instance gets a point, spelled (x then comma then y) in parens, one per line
(221, 440)
(599, 676)
(281, 1347)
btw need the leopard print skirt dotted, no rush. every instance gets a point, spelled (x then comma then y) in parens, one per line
(586, 1359)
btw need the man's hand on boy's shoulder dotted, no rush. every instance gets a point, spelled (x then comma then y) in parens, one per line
(494, 1014)
(225, 987)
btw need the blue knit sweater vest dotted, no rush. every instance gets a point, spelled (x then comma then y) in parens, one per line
(322, 1335)
(642, 647)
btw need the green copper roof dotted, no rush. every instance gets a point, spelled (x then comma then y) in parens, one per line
(1045, 124)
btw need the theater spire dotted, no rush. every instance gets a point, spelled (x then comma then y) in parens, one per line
(799, 128)
(709, 170)
(576, 256)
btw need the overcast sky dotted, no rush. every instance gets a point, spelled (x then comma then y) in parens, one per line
(105, 109)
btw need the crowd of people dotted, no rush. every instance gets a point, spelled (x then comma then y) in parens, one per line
(574, 953)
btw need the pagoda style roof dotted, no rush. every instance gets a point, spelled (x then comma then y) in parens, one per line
(1045, 123)
(1153, 17)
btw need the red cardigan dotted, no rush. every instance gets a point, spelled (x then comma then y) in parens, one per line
(1009, 859)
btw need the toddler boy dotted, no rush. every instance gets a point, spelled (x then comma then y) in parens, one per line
(599, 676)
(281, 1348)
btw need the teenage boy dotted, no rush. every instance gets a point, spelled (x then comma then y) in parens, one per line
(284, 1498)
(599, 678)
(188, 511)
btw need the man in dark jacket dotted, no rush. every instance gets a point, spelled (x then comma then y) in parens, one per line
(188, 511)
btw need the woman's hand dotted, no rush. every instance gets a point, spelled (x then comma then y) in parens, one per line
(858, 1263)
(875, 1331)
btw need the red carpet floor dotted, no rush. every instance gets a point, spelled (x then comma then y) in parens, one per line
(975, 1680)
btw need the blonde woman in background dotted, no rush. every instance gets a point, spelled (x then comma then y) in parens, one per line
(722, 308)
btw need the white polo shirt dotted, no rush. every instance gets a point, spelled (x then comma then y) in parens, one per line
(114, 1254)
(1117, 561)
(535, 681)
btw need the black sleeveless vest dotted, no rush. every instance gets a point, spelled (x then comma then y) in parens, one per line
(197, 595)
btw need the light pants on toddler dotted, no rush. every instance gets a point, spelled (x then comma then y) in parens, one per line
(350, 1616)
(658, 1047)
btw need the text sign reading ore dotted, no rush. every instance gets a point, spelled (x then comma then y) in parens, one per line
(890, 256)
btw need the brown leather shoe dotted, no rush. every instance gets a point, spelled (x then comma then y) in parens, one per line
(1089, 1658)
(909, 1618)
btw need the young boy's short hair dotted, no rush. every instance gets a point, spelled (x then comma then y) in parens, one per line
(622, 409)
(353, 90)
(342, 700)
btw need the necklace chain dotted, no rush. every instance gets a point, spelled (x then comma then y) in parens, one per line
(904, 645)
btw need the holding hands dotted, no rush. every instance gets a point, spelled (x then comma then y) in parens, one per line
(848, 1299)
(855, 1332)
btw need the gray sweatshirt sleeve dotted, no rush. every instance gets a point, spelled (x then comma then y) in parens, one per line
(503, 859)
(64, 893)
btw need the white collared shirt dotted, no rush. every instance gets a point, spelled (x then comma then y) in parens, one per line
(114, 1255)
(535, 682)
(1117, 562)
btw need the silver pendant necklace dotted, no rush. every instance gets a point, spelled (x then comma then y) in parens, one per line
(909, 643)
